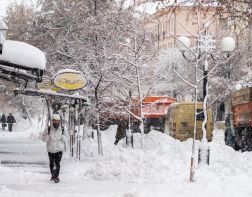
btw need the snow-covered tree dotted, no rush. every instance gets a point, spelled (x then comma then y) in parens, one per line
(89, 36)
(20, 20)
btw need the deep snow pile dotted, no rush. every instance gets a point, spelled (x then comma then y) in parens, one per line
(162, 157)
(163, 160)
(225, 163)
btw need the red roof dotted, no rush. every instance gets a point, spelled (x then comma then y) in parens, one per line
(154, 106)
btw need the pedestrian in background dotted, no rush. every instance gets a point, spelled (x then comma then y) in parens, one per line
(10, 121)
(121, 130)
(3, 121)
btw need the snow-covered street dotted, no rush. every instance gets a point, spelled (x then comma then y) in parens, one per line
(162, 169)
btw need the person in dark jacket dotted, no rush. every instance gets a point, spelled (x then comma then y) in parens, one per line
(3, 121)
(10, 121)
(229, 131)
(82, 119)
(121, 130)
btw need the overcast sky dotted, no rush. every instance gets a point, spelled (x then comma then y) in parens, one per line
(3, 5)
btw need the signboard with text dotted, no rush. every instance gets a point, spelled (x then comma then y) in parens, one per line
(68, 79)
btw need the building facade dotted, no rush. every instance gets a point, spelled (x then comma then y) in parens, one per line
(171, 22)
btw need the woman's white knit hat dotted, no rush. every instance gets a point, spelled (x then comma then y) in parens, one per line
(56, 117)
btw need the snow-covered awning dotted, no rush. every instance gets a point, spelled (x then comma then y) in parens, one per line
(23, 54)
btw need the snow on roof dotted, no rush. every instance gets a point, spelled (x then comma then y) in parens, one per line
(67, 70)
(200, 104)
(23, 54)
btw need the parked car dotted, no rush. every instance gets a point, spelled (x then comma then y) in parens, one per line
(179, 121)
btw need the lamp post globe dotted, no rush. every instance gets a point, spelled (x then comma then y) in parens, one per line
(238, 86)
(183, 43)
(227, 44)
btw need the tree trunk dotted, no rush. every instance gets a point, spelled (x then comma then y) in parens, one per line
(100, 151)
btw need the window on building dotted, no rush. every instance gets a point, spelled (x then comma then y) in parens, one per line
(152, 37)
(160, 27)
(223, 23)
(200, 115)
(167, 26)
(171, 25)
(156, 29)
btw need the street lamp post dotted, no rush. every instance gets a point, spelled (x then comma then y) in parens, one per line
(206, 45)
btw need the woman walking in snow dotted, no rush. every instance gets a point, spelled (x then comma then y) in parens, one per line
(54, 136)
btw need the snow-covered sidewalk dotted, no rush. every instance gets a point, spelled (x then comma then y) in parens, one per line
(162, 169)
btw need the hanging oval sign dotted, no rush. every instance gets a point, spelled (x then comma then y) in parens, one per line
(47, 84)
(68, 79)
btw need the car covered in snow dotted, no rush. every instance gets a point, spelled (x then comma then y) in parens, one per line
(179, 121)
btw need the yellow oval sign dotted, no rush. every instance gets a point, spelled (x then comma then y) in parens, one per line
(70, 80)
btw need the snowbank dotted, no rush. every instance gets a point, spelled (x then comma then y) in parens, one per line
(163, 160)
(162, 157)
